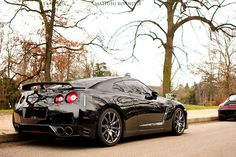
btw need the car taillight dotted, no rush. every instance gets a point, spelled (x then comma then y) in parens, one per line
(227, 106)
(59, 99)
(71, 97)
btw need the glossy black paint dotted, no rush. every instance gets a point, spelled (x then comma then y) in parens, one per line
(141, 110)
(226, 113)
(228, 108)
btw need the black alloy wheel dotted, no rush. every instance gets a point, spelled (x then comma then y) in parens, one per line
(109, 127)
(179, 122)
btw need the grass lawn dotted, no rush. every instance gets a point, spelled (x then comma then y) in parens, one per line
(198, 107)
(6, 111)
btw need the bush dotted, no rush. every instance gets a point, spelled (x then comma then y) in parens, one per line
(10, 93)
(217, 101)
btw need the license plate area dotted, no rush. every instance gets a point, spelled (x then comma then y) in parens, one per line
(35, 113)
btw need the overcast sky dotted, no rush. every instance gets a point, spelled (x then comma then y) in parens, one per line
(148, 67)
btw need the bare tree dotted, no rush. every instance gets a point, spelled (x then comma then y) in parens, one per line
(54, 15)
(224, 47)
(217, 71)
(177, 14)
(1, 35)
(208, 69)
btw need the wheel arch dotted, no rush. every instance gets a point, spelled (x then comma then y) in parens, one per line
(179, 106)
(114, 106)
(185, 113)
(118, 109)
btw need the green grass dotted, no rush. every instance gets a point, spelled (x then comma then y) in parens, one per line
(198, 107)
(6, 111)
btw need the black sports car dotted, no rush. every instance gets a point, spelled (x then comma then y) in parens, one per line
(228, 108)
(106, 108)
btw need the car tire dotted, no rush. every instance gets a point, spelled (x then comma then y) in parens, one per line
(110, 127)
(17, 129)
(222, 118)
(178, 122)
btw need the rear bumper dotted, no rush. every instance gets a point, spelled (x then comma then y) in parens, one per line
(55, 130)
(227, 113)
(56, 124)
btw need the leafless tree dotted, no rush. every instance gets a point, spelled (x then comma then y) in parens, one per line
(176, 14)
(55, 15)
(224, 47)
(217, 71)
(208, 70)
(1, 35)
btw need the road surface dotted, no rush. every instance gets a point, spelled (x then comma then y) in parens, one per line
(215, 139)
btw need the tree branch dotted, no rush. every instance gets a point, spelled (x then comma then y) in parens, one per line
(197, 18)
(69, 48)
(23, 5)
(76, 24)
(131, 7)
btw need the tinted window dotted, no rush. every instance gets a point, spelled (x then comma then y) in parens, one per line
(136, 87)
(119, 86)
(232, 98)
(88, 82)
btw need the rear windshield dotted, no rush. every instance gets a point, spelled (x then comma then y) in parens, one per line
(232, 98)
(59, 87)
(88, 82)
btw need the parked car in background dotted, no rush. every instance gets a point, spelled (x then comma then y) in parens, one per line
(228, 108)
(106, 108)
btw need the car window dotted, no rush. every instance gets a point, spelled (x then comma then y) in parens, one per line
(119, 86)
(232, 98)
(137, 87)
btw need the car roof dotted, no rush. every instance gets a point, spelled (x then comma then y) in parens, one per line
(91, 82)
(95, 82)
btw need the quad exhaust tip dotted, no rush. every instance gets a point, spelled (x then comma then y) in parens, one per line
(60, 131)
(68, 130)
(64, 131)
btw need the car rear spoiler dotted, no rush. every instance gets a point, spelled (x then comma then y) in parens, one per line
(41, 85)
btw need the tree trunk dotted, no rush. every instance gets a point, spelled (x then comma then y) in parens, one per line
(8, 64)
(167, 67)
(228, 91)
(48, 59)
(166, 87)
(68, 66)
(48, 38)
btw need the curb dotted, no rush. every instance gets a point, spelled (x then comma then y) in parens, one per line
(16, 137)
(201, 120)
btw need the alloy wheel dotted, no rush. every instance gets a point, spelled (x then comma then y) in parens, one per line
(110, 127)
(179, 122)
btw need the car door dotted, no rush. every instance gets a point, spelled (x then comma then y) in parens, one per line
(150, 112)
(125, 101)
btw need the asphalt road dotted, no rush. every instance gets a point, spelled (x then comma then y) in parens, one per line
(215, 139)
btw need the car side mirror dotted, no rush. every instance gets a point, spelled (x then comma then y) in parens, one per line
(148, 96)
(151, 96)
(154, 94)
